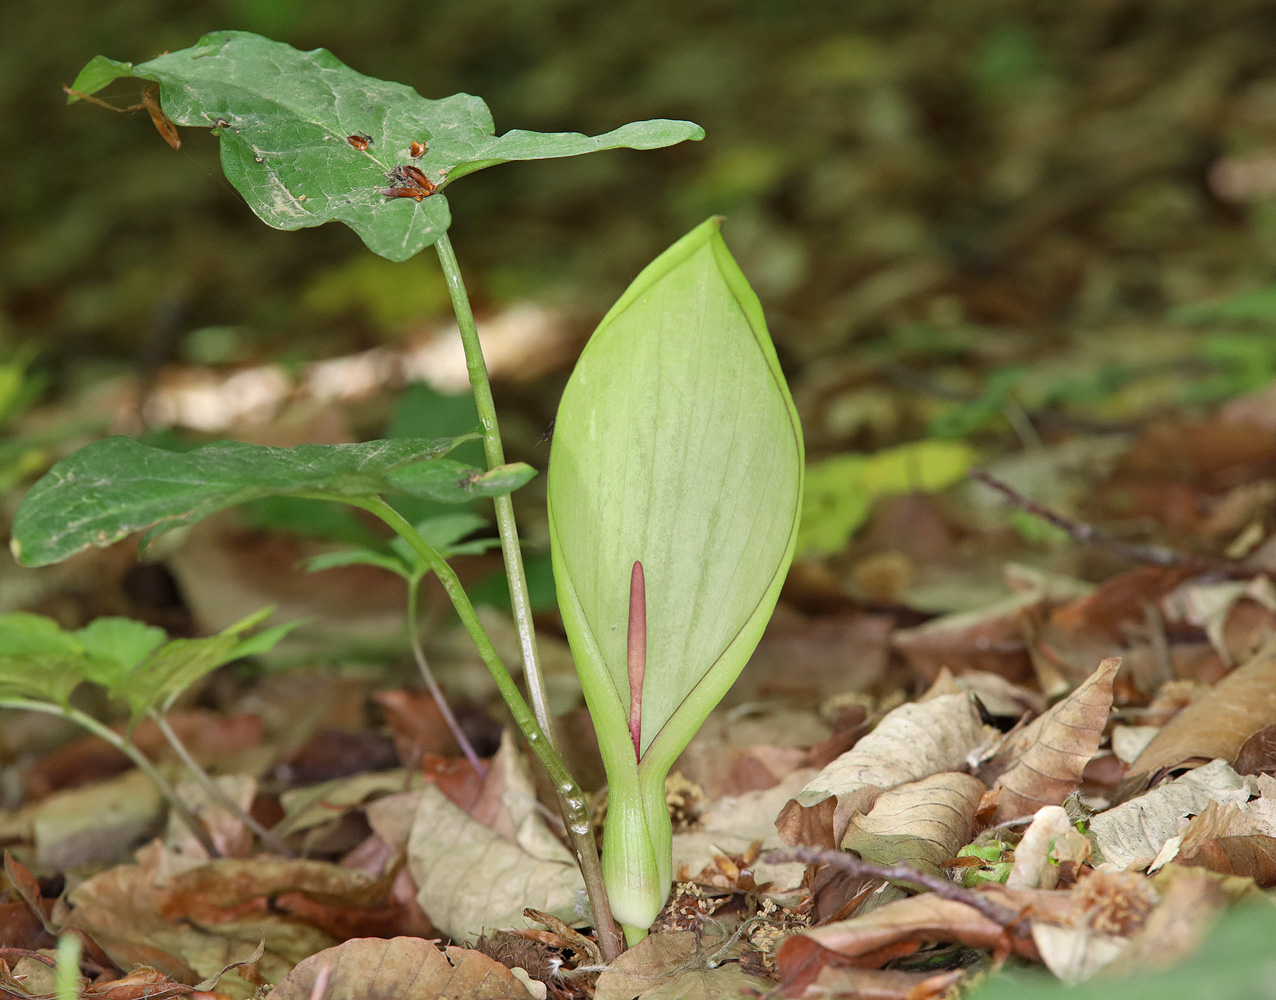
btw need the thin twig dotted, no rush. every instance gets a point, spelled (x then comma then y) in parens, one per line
(940, 886)
(436, 692)
(130, 750)
(214, 790)
(1088, 534)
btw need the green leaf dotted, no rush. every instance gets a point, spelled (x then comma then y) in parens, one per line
(455, 482)
(119, 645)
(840, 490)
(677, 445)
(358, 557)
(111, 488)
(99, 72)
(38, 659)
(284, 117)
(179, 663)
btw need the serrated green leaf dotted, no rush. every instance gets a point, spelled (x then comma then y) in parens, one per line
(179, 663)
(284, 117)
(117, 646)
(114, 487)
(49, 676)
(677, 445)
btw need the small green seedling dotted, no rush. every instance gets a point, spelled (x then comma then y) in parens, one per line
(675, 484)
(443, 533)
(41, 665)
(676, 471)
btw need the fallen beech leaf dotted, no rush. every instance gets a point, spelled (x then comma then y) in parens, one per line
(1258, 753)
(673, 966)
(1137, 830)
(1217, 724)
(896, 929)
(121, 910)
(401, 968)
(473, 880)
(920, 823)
(1210, 605)
(1230, 839)
(912, 742)
(1056, 747)
(885, 984)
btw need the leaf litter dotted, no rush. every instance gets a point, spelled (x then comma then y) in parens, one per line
(942, 739)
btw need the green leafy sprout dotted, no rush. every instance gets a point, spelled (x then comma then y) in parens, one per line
(676, 472)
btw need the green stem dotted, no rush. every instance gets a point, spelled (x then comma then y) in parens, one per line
(436, 692)
(495, 454)
(571, 799)
(214, 790)
(184, 815)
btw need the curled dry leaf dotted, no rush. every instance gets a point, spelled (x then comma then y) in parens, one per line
(1231, 839)
(401, 968)
(1033, 867)
(891, 931)
(1217, 724)
(920, 823)
(1135, 831)
(473, 880)
(913, 742)
(1057, 747)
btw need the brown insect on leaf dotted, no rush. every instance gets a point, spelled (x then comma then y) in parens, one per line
(1056, 747)
(163, 124)
(359, 141)
(149, 102)
(417, 149)
(408, 182)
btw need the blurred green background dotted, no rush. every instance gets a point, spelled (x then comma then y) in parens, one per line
(923, 193)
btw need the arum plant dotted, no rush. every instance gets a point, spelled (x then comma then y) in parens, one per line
(675, 482)
(675, 474)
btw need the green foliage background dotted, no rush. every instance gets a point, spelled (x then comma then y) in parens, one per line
(882, 164)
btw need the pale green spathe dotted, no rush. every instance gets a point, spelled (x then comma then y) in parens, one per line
(676, 445)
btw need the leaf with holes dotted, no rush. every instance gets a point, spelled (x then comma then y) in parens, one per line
(307, 140)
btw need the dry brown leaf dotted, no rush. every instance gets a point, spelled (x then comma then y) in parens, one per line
(884, 984)
(401, 968)
(891, 931)
(1057, 747)
(472, 880)
(921, 823)
(1258, 753)
(1136, 831)
(912, 742)
(1217, 724)
(674, 966)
